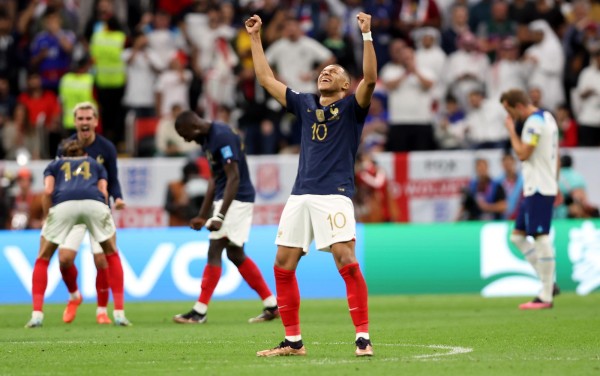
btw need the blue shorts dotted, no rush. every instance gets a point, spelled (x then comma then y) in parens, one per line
(535, 214)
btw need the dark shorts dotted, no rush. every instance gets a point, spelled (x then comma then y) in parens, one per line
(535, 214)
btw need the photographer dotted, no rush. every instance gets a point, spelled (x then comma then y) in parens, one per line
(483, 199)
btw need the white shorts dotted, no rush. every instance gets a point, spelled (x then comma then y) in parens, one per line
(75, 238)
(328, 219)
(237, 223)
(95, 215)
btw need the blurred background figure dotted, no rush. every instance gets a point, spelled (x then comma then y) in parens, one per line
(25, 205)
(184, 197)
(372, 200)
(485, 122)
(483, 199)
(167, 141)
(588, 90)
(573, 189)
(567, 127)
(450, 127)
(511, 181)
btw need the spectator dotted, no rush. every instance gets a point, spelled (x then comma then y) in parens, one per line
(485, 122)
(37, 117)
(25, 205)
(459, 24)
(429, 55)
(507, 72)
(372, 200)
(31, 21)
(5, 183)
(163, 39)
(340, 45)
(100, 13)
(413, 14)
(168, 142)
(106, 47)
(298, 59)
(511, 181)
(409, 100)
(545, 64)
(467, 69)
(9, 58)
(483, 199)
(143, 66)
(375, 132)
(499, 26)
(8, 137)
(185, 196)
(172, 86)
(51, 51)
(573, 189)
(588, 90)
(75, 87)
(567, 127)
(8, 101)
(381, 12)
(450, 125)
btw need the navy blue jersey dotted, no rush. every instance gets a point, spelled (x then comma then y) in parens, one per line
(75, 179)
(105, 153)
(330, 139)
(223, 146)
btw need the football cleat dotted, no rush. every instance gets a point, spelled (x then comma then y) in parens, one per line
(535, 304)
(34, 323)
(102, 318)
(285, 348)
(122, 321)
(71, 310)
(192, 317)
(363, 347)
(555, 290)
(267, 314)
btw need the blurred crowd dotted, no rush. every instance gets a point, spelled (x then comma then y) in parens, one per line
(442, 66)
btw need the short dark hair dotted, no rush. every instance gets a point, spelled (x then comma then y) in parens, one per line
(72, 148)
(515, 96)
(344, 72)
(186, 117)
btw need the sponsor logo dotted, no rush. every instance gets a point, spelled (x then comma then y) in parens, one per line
(506, 273)
(584, 253)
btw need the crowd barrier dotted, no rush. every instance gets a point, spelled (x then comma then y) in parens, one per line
(167, 263)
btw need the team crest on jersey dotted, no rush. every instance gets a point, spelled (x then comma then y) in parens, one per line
(320, 115)
(335, 113)
(100, 159)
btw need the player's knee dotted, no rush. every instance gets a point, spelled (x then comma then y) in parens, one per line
(100, 261)
(66, 259)
(236, 256)
(517, 239)
(543, 245)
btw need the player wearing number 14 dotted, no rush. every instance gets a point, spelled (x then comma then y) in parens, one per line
(75, 192)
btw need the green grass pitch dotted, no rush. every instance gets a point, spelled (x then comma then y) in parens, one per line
(412, 335)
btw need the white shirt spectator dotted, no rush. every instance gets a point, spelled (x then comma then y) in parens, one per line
(430, 55)
(173, 86)
(141, 77)
(295, 60)
(486, 122)
(589, 107)
(546, 63)
(409, 102)
(165, 43)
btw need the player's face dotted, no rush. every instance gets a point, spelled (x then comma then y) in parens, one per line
(85, 123)
(191, 133)
(331, 79)
(512, 111)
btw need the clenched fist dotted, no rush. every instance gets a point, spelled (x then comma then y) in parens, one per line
(364, 22)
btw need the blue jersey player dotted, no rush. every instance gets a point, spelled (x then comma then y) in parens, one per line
(230, 194)
(320, 207)
(105, 153)
(75, 192)
(537, 148)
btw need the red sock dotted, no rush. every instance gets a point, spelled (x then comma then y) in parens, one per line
(115, 278)
(254, 278)
(288, 300)
(39, 281)
(69, 276)
(102, 287)
(210, 278)
(356, 291)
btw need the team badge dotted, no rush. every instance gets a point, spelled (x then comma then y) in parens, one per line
(320, 115)
(100, 159)
(334, 111)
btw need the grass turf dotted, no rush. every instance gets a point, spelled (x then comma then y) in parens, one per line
(412, 335)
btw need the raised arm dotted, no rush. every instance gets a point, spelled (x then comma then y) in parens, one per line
(366, 86)
(263, 71)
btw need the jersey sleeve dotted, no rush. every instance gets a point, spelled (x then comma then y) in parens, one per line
(359, 112)
(99, 170)
(110, 163)
(532, 130)
(227, 149)
(293, 100)
(50, 170)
